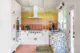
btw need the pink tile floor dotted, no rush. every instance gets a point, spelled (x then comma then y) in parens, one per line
(28, 49)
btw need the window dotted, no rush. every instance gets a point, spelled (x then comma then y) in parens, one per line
(62, 19)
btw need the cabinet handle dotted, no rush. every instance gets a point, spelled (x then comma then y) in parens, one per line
(35, 38)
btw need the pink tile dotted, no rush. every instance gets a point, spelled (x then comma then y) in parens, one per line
(26, 49)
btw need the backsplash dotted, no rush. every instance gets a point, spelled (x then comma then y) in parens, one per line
(39, 23)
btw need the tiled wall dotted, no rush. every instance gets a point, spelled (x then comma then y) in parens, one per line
(42, 20)
(39, 23)
(59, 42)
(41, 14)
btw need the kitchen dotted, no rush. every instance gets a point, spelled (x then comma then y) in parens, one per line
(36, 26)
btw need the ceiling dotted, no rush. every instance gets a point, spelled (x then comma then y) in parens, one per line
(40, 3)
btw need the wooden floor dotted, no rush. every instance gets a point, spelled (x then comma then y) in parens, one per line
(34, 49)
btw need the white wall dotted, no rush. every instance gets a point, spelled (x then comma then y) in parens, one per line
(76, 4)
(77, 23)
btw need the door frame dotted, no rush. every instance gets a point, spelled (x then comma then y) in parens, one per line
(71, 28)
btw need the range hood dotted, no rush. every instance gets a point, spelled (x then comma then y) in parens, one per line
(35, 12)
